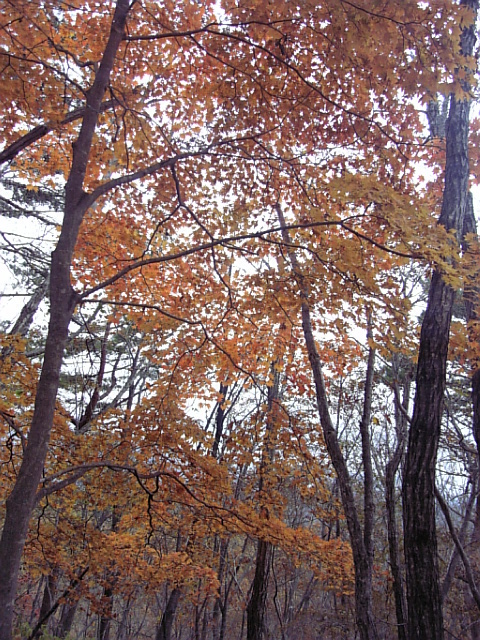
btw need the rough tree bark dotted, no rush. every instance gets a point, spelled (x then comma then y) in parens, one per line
(258, 598)
(425, 618)
(21, 501)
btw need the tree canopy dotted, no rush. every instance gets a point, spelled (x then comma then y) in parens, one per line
(239, 232)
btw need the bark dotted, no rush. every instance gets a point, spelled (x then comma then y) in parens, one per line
(164, 631)
(474, 542)
(66, 619)
(368, 499)
(105, 619)
(83, 424)
(47, 602)
(425, 618)
(361, 552)
(220, 606)
(390, 502)
(258, 598)
(21, 501)
(256, 606)
(104, 622)
(8, 154)
(422, 576)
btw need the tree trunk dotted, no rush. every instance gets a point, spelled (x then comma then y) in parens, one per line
(425, 619)
(48, 601)
(390, 473)
(361, 545)
(66, 619)
(220, 607)
(164, 631)
(258, 598)
(21, 501)
(105, 619)
(220, 419)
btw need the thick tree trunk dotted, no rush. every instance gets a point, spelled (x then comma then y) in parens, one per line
(20, 503)
(423, 591)
(425, 618)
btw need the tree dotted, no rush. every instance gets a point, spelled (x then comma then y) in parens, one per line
(173, 134)
(423, 588)
(62, 303)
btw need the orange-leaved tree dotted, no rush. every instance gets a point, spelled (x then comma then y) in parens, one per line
(173, 130)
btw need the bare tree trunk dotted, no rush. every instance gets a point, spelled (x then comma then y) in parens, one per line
(66, 619)
(425, 618)
(368, 498)
(21, 501)
(390, 502)
(359, 540)
(46, 614)
(48, 601)
(466, 563)
(258, 597)
(219, 420)
(105, 619)
(164, 631)
(219, 607)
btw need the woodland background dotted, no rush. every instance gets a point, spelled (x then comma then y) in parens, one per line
(239, 365)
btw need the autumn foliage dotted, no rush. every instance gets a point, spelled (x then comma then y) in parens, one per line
(151, 146)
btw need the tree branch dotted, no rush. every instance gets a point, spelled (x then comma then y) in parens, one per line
(35, 134)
